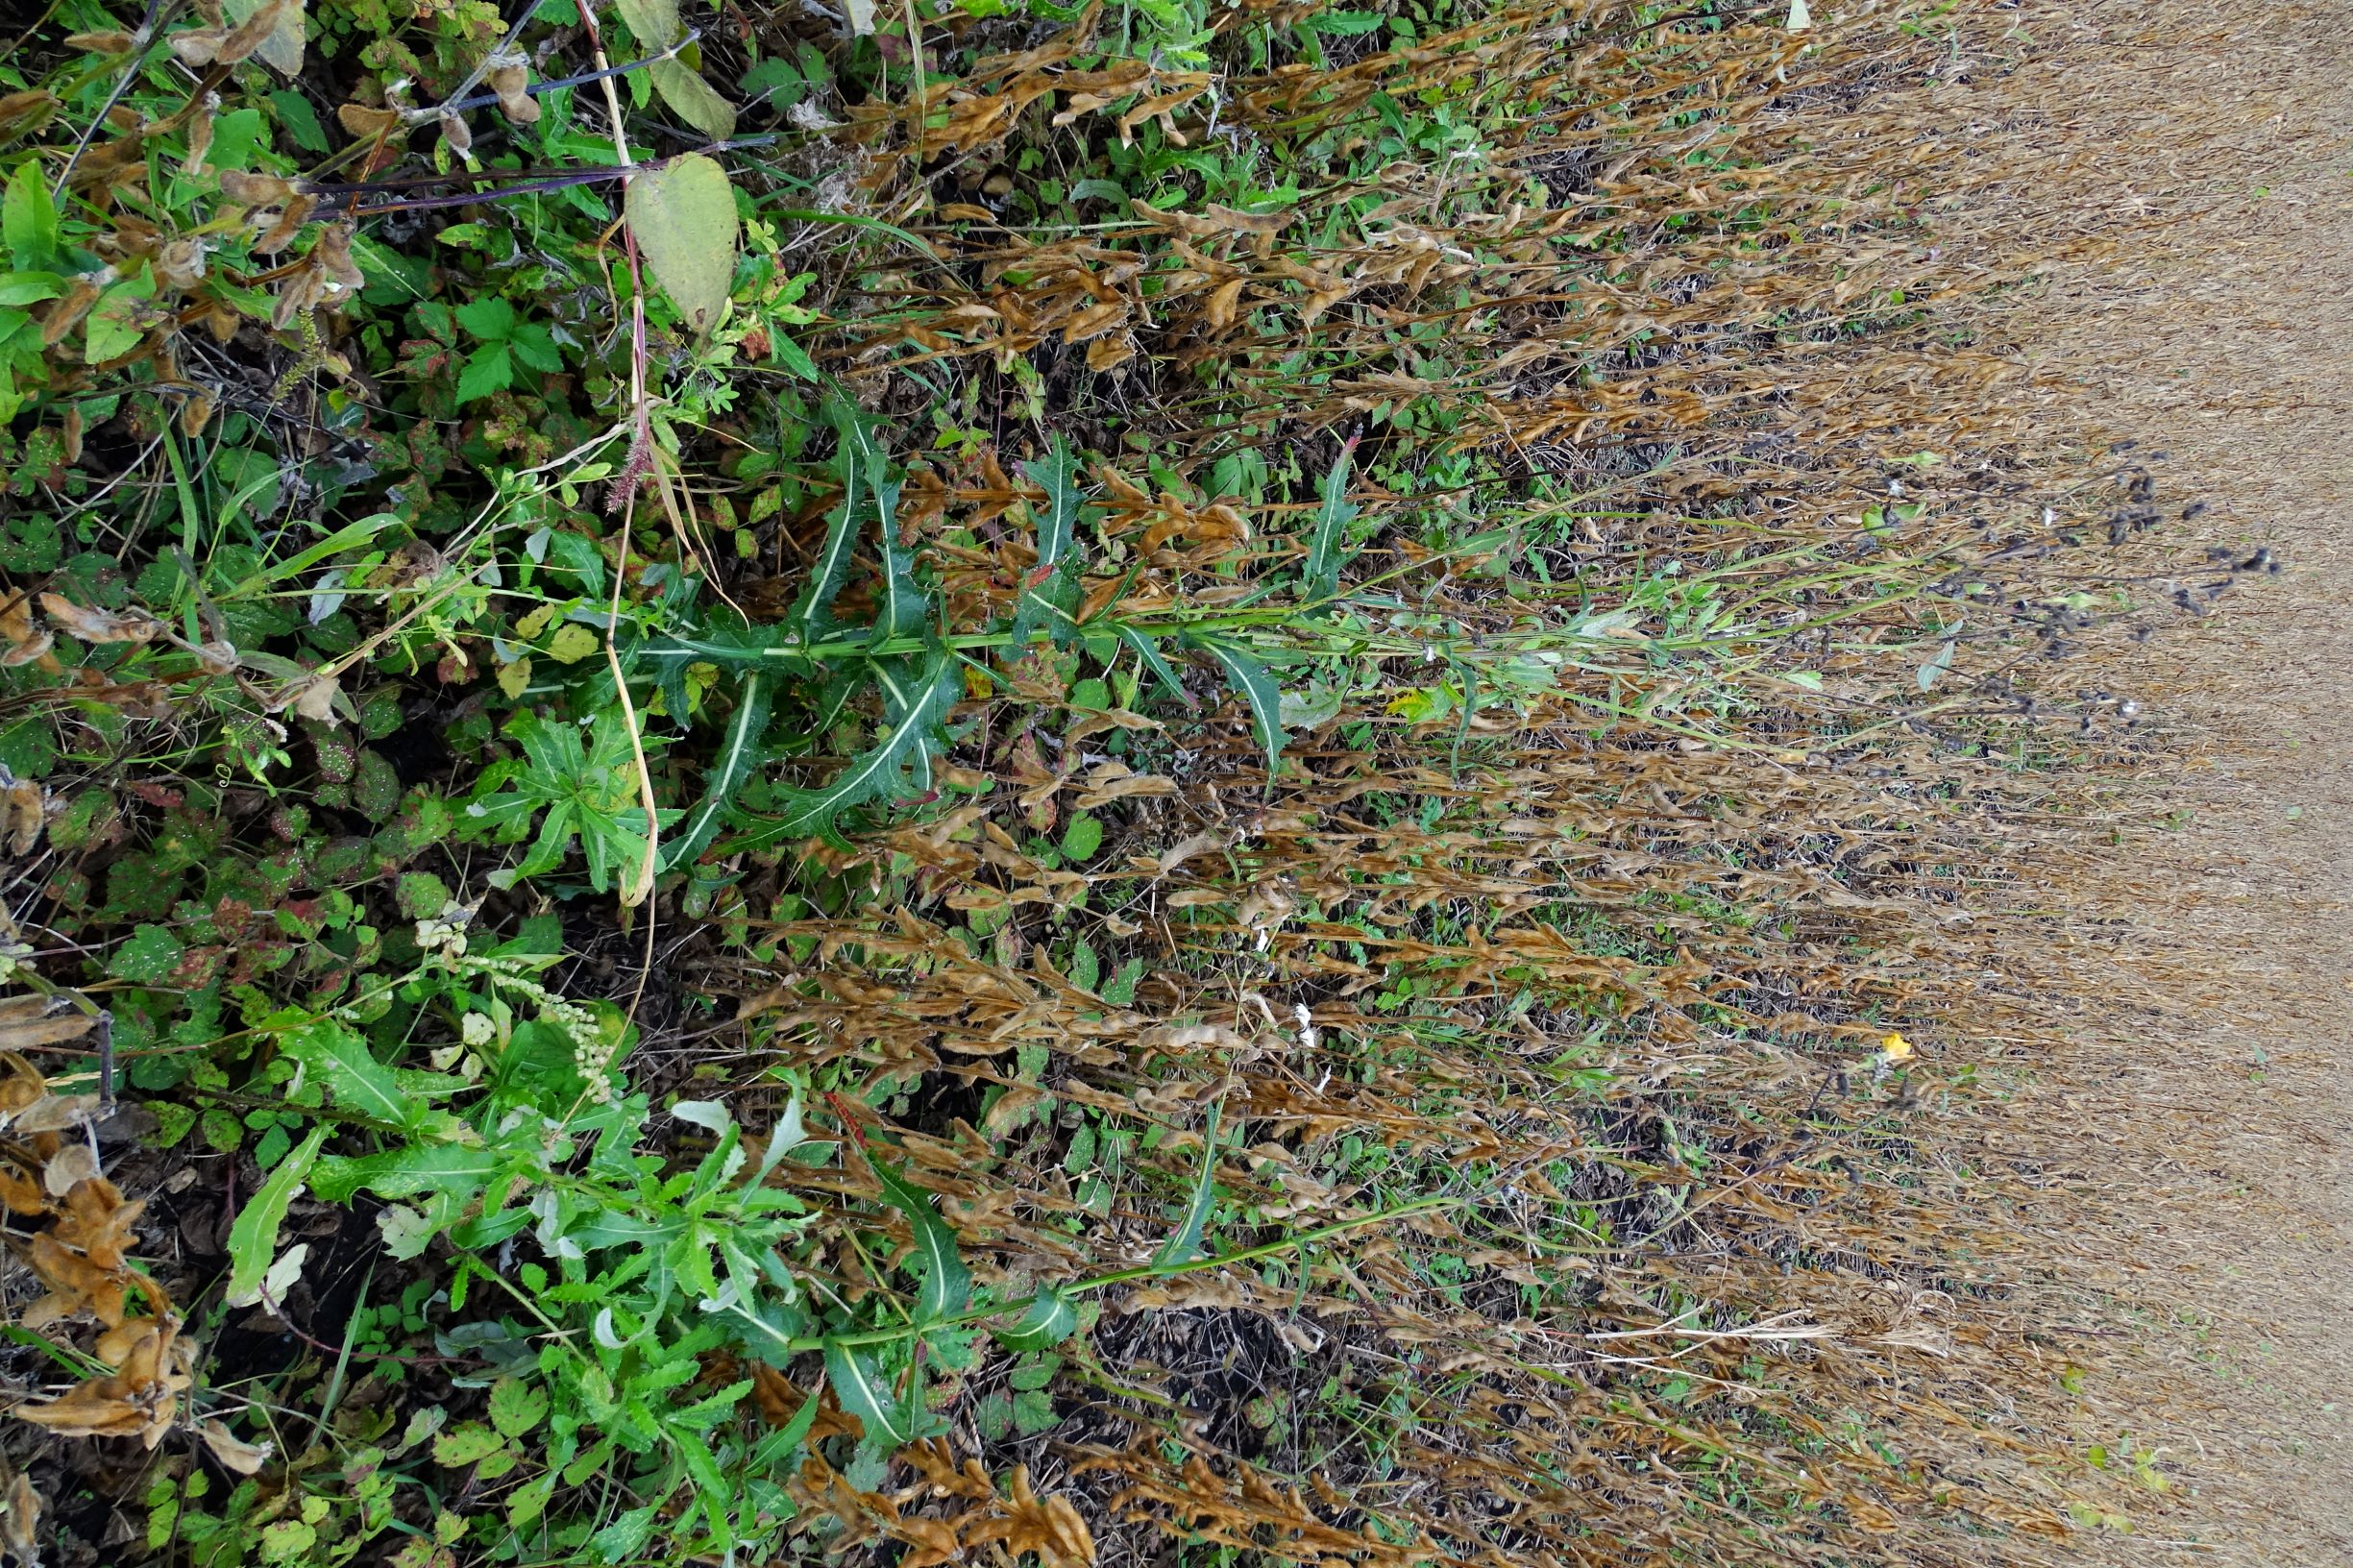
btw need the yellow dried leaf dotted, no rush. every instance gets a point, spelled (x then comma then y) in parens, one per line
(272, 30)
(72, 1164)
(23, 809)
(55, 1112)
(367, 124)
(511, 81)
(315, 698)
(20, 1517)
(99, 626)
(27, 1022)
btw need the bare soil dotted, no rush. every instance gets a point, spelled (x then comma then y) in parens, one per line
(2208, 1207)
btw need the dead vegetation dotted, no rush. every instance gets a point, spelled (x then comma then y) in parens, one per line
(1572, 1050)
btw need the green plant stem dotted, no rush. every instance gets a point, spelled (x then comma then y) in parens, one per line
(1142, 1271)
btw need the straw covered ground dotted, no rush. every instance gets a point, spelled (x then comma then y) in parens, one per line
(1453, 783)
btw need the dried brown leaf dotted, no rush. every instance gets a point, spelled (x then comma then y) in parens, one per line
(20, 1517)
(235, 1456)
(72, 1164)
(99, 626)
(55, 1112)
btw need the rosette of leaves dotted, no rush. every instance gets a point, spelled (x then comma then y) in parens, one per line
(899, 656)
(902, 657)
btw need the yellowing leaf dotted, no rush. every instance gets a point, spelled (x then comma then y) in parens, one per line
(316, 698)
(1896, 1048)
(285, 1272)
(571, 643)
(696, 102)
(514, 678)
(72, 1163)
(242, 1457)
(653, 23)
(683, 215)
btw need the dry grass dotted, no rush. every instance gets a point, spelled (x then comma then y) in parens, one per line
(1606, 1033)
(1711, 1282)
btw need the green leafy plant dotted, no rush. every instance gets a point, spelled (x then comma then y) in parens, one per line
(508, 342)
(572, 782)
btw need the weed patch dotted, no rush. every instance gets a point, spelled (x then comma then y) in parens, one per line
(1004, 781)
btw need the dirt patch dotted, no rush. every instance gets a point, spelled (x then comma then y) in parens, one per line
(2209, 1205)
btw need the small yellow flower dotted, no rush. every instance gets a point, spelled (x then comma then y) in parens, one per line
(1896, 1048)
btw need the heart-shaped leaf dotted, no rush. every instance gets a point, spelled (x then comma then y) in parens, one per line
(683, 216)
